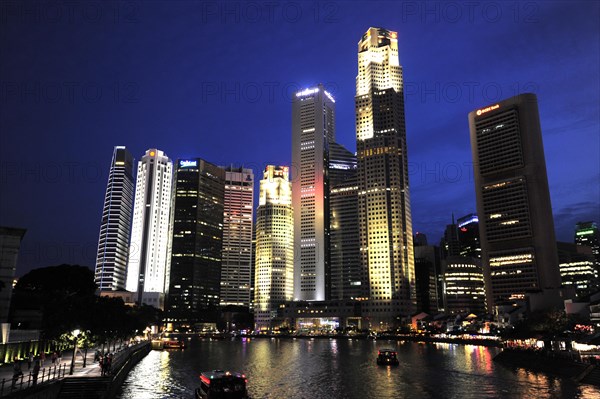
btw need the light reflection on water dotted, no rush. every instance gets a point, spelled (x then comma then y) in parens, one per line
(329, 368)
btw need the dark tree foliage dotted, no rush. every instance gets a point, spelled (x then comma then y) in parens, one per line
(59, 281)
(66, 296)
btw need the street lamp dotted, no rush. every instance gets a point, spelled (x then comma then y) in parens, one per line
(76, 335)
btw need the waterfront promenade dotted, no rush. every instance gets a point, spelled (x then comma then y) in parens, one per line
(50, 372)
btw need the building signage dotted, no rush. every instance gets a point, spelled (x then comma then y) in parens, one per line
(487, 109)
(188, 164)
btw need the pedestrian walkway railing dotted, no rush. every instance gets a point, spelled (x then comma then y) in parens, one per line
(47, 374)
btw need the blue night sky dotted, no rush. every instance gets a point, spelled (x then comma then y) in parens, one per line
(213, 80)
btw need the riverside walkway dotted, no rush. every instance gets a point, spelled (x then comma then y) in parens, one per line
(50, 372)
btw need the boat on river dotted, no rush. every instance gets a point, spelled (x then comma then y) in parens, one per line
(387, 357)
(219, 384)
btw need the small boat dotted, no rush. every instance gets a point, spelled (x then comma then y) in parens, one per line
(174, 344)
(219, 384)
(387, 357)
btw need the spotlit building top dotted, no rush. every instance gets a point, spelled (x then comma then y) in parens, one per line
(313, 90)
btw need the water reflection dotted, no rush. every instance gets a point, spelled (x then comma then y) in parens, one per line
(323, 368)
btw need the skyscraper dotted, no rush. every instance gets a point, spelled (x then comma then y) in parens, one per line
(577, 268)
(274, 267)
(468, 236)
(383, 191)
(348, 280)
(149, 258)
(115, 228)
(313, 129)
(195, 275)
(236, 269)
(513, 201)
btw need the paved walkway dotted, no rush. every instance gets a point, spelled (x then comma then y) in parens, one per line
(92, 368)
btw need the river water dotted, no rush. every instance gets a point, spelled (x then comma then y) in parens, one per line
(341, 368)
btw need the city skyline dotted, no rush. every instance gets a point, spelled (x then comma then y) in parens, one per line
(62, 166)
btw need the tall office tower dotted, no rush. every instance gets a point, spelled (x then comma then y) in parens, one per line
(468, 236)
(429, 283)
(420, 239)
(348, 280)
(10, 243)
(197, 241)
(577, 268)
(513, 201)
(587, 234)
(464, 285)
(449, 243)
(236, 269)
(115, 228)
(274, 267)
(149, 258)
(313, 129)
(383, 191)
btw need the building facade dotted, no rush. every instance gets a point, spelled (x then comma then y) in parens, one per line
(464, 285)
(578, 268)
(468, 236)
(513, 201)
(274, 256)
(588, 235)
(383, 191)
(197, 243)
(348, 280)
(237, 268)
(10, 243)
(115, 227)
(313, 129)
(149, 257)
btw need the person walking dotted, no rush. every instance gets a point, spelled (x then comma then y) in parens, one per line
(36, 371)
(29, 360)
(17, 372)
(42, 358)
(54, 357)
(59, 355)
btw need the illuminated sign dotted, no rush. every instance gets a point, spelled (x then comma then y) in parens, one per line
(188, 164)
(487, 109)
(307, 92)
(339, 166)
(585, 232)
(472, 219)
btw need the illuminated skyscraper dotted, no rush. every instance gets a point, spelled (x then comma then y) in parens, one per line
(383, 191)
(236, 269)
(513, 201)
(274, 267)
(115, 228)
(313, 129)
(195, 277)
(149, 258)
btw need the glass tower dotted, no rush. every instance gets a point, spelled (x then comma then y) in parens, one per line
(197, 239)
(115, 227)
